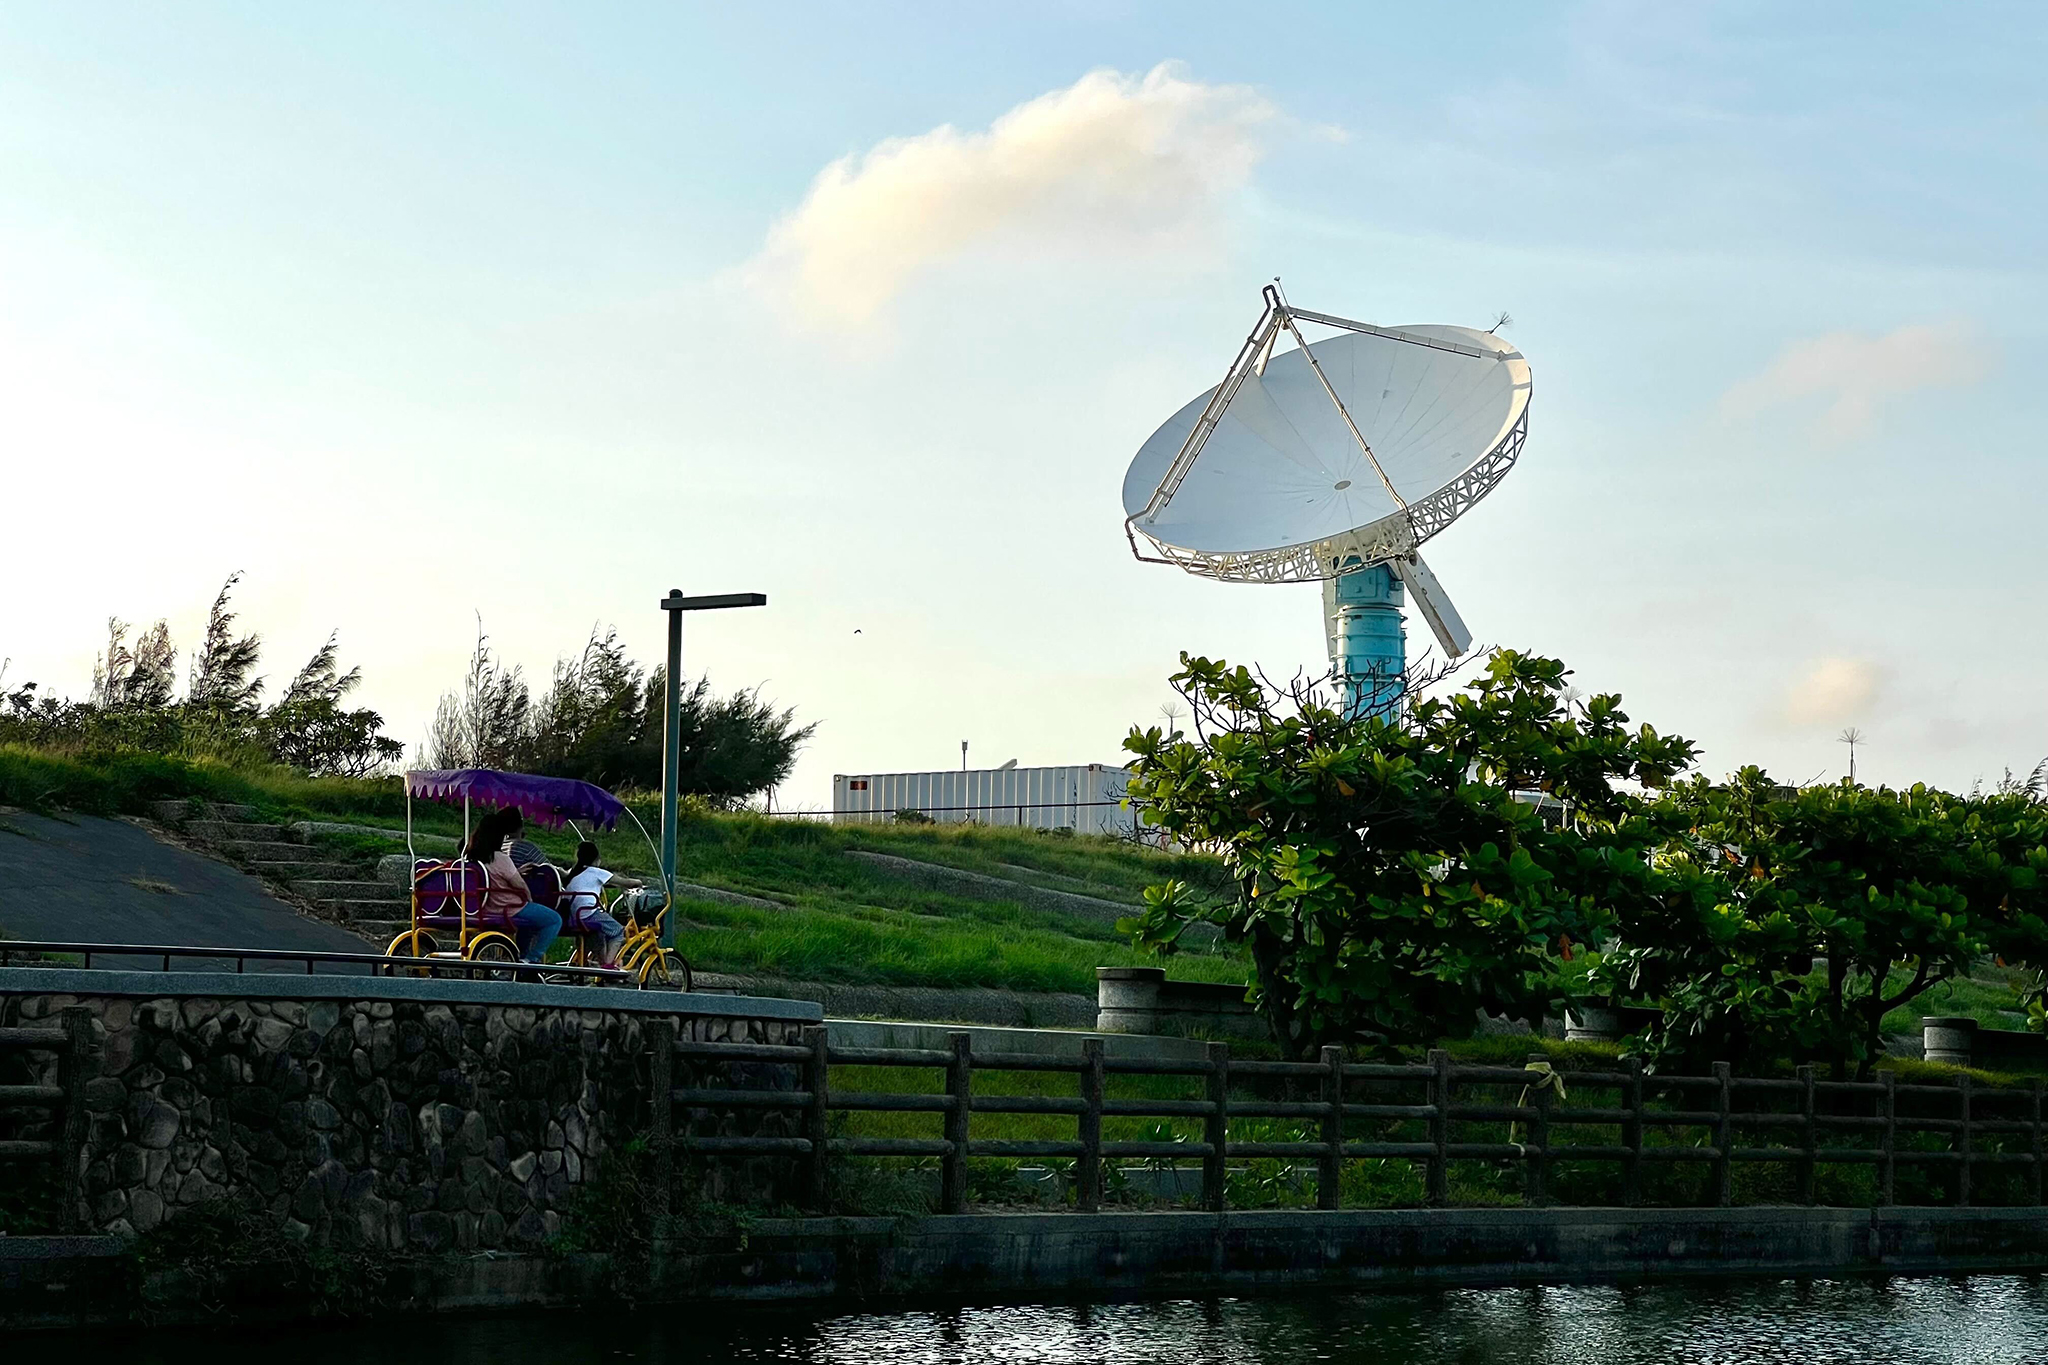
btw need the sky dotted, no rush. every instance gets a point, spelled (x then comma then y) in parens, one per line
(423, 315)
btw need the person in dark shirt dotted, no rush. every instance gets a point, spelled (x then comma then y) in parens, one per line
(526, 853)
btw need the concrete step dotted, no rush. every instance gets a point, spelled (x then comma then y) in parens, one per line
(343, 889)
(357, 912)
(177, 810)
(424, 842)
(235, 831)
(293, 870)
(261, 851)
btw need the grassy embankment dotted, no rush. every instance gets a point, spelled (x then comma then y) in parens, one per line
(846, 921)
(843, 921)
(840, 919)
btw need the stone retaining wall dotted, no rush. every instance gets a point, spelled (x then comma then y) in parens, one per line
(416, 1115)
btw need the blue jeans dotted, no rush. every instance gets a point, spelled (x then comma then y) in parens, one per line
(609, 934)
(536, 927)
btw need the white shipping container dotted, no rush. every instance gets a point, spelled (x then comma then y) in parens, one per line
(1087, 799)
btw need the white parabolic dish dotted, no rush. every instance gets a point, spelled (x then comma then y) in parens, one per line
(1281, 492)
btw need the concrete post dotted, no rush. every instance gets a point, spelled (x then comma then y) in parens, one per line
(1949, 1039)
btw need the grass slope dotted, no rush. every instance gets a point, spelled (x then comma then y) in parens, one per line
(842, 920)
(845, 920)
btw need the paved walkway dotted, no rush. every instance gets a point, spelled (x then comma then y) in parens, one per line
(85, 879)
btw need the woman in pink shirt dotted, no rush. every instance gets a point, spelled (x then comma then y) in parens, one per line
(505, 892)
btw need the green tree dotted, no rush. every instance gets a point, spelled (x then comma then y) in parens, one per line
(1895, 890)
(732, 747)
(310, 729)
(1395, 878)
(591, 721)
(485, 724)
(141, 679)
(224, 687)
(600, 719)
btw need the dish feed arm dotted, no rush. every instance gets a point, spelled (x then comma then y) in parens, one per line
(1251, 359)
(1435, 604)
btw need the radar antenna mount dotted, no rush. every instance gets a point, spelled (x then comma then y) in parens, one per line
(1253, 482)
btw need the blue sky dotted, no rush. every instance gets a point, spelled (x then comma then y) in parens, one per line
(536, 311)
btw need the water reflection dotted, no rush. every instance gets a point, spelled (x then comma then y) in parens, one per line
(1986, 1320)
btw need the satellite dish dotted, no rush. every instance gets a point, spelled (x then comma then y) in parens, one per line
(1335, 461)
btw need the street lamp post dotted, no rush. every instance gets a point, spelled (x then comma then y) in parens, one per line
(675, 604)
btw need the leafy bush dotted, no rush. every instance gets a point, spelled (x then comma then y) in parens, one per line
(1392, 877)
(1896, 890)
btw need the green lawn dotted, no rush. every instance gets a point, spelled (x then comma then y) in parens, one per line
(1991, 996)
(847, 921)
(843, 920)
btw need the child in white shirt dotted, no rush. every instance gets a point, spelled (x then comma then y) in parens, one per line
(583, 907)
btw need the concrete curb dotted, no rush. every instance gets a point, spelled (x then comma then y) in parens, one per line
(78, 981)
(1037, 1257)
(1027, 1256)
(995, 1042)
(969, 1005)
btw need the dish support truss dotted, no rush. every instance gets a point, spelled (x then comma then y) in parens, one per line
(1363, 570)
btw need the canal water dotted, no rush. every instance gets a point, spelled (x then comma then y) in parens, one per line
(1983, 1320)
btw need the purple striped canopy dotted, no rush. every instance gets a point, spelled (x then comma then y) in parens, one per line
(548, 801)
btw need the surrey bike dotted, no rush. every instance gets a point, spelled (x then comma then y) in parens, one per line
(449, 915)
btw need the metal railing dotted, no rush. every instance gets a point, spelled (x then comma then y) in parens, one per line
(71, 1040)
(371, 964)
(1702, 1119)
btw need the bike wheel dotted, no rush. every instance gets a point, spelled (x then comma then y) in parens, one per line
(412, 943)
(664, 968)
(494, 948)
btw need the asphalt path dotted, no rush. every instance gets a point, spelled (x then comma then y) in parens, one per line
(82, 879)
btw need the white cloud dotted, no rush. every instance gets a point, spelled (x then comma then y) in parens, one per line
(1857, 374)
(1834, 691)
(1112, 166)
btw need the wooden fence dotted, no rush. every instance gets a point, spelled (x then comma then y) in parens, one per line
(1981, 1127)
(64, 1112)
